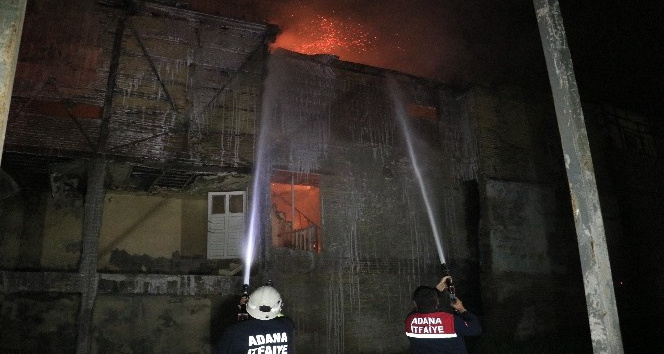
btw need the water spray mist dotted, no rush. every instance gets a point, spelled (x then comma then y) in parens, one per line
(405, 128)
(254, 219)
(400, 112)
(260, 182)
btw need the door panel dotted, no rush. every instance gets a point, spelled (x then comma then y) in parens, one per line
(226, 224)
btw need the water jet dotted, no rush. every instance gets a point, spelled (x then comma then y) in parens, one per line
(400, 113)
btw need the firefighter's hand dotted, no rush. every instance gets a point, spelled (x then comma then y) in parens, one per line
(442, 284)
(243, 299)
(458, 305)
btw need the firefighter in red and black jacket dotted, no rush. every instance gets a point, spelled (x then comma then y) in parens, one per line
(434, 331)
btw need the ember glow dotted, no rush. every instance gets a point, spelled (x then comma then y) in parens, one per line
(326, 35)
(412, 36)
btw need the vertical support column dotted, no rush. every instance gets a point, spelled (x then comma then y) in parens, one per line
(598, 283)
(94, 205)
(12, 13)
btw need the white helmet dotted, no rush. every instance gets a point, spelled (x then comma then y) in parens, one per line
(264, 303)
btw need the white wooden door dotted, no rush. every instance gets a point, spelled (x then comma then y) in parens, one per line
(226, 224)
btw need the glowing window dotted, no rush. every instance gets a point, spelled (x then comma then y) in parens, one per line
(295, 216)
(423, 112)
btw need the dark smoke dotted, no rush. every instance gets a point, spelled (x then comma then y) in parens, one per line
(615, 45)
(455, 41)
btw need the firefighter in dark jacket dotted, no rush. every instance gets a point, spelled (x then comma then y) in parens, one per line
(434, 331)
(266, 332)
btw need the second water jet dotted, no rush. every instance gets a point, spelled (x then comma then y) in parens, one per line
(401, 115)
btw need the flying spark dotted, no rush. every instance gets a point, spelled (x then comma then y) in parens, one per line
(323, 35)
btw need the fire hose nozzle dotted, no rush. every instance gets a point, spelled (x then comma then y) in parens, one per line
(449, 283)
(445, 269)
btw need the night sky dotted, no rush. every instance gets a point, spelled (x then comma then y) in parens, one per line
(617, 49)
(616, 45)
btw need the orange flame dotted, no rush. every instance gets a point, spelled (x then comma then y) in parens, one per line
(325, 35)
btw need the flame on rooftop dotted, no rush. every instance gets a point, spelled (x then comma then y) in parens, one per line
(320, 34)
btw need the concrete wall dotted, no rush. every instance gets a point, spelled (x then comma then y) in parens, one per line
(38, 323)
(43, 234)
(153, 228)
(532, 291)
(193, 240)
(12, 216)
(626, 154)
(152, 324)
(163, 233)
(38, 234)
(63, 224)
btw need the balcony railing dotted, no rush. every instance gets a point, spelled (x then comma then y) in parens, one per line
(303, 239)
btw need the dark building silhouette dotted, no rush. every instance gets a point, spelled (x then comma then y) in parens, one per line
(138, 133)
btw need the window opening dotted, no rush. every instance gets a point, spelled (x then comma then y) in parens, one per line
(218, 204)
(236, 203)
(422, 112)
(295, 214)
(226, 224)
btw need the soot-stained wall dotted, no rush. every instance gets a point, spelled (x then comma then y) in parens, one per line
(33, 323)
(377, 241)
(528, 253)
(158, 324)
(627, 158)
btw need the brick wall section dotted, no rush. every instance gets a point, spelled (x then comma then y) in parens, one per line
(187, 87)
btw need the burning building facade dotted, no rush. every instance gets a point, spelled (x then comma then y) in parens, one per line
(143, 137)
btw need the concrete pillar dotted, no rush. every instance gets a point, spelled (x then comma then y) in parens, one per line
(12, 13)
(597, 278)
